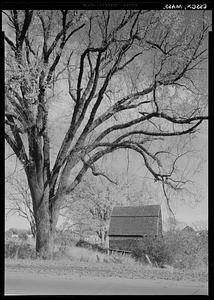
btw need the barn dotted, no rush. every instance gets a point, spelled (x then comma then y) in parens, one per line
(130, 224)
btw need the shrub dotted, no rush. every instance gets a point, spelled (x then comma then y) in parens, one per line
(23, 236)
(88, 245)
(83, 244)
(19, 250)
(26, 251)
(65, 238)
(98, 248)
(10, 249)
(187, 249)
(155, 248)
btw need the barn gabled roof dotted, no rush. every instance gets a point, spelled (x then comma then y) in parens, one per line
(134, 220)
(134, 211)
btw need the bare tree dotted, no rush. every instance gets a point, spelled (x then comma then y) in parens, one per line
(91, 206)
(122, 67)
(20, 202)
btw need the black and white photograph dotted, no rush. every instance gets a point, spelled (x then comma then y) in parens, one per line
(106, 149)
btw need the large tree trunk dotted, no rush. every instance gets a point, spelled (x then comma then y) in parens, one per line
(46, 218)
(46, 221)
(43, 232)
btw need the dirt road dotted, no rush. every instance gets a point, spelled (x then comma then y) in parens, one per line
(19, 283)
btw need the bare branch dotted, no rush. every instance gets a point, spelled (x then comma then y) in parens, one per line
(26, 24)
(97, 173)
(10, 43)
(167, 199)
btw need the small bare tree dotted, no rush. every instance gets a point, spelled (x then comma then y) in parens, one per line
(91, 205)
(20, 202)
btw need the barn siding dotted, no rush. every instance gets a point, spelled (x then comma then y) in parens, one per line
(160, 225)
(133, 225)
(128, 225)
(137, 211)
(123, 243)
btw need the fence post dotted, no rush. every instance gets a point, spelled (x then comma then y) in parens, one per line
(147, 257)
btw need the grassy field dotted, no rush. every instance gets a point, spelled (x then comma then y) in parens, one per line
(84, 262)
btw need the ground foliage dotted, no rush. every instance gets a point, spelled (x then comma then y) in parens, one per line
(15, 249)
(179, 249)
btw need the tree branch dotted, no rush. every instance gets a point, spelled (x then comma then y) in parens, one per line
(10, 43)
(26, 24)
(97, 173)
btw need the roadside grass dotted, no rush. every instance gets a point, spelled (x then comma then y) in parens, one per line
(93, 256)
(75, 261)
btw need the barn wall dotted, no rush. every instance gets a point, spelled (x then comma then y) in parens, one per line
(133, 226)
(160, 232)
(123, 243)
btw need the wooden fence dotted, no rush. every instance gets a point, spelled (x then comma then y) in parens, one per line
(110, 251)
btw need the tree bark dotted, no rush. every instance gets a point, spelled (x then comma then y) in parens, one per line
(46, 218)
(43, 232)
(46, 221)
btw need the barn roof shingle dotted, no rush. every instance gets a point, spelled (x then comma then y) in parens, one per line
(134, 211)
(134, 220)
